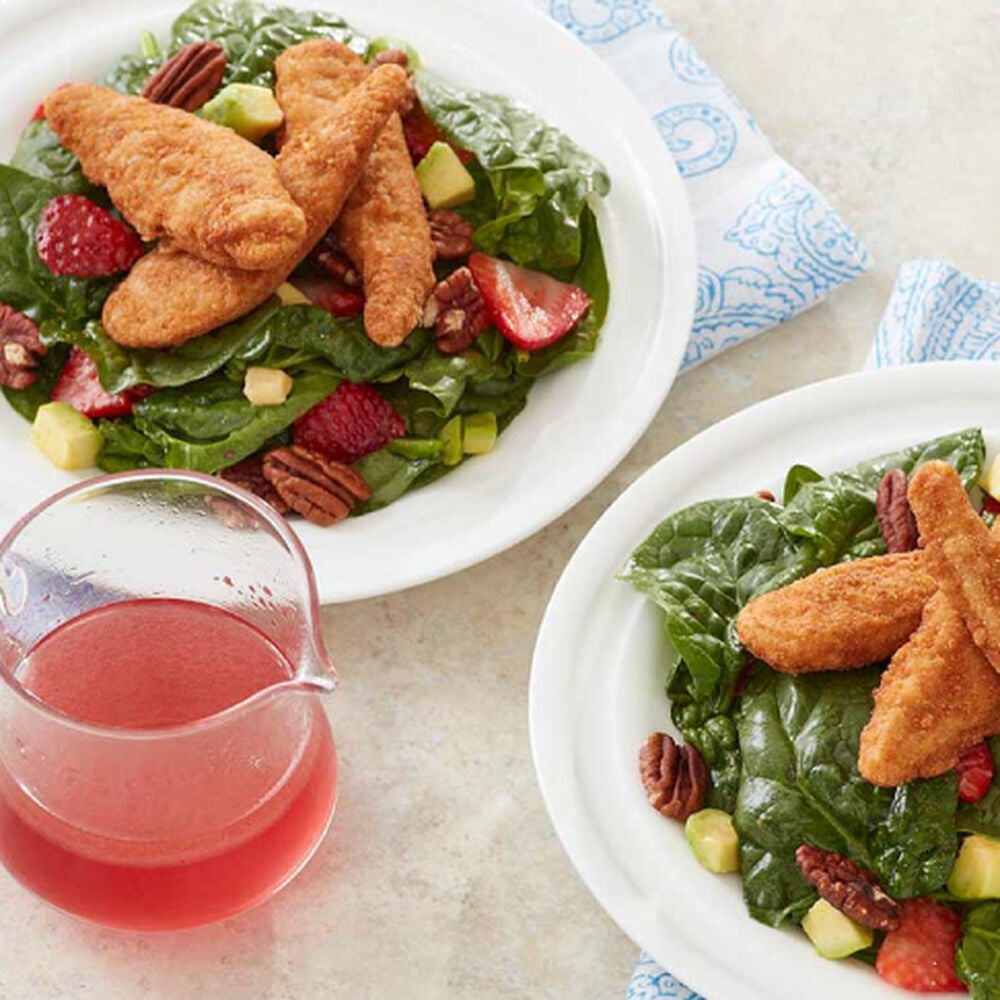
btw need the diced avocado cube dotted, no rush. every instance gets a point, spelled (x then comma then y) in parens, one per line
(833, 934)
(451, 441)
(416, 447)
(976, 874)
(245, 108)
(713, 839)
(291, 296)
(990, 481)
(266, 386)
(385, 42)
(443, 180)
(479, 433)
(67, 438)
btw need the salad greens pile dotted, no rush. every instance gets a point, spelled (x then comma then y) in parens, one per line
(782, 750)
(534, 188)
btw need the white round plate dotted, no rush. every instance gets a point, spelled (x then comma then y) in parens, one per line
(579, 423)
(597, 682)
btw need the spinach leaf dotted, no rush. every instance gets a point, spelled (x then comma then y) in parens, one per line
(836, 515)
(210, 424)
(123, 447)
(592, 276)
(540, 178)
(978, 960)
(131, 72)
(800, 784)
(273, 335)
(445, 377)
(27, 401)
(26, 283)
(40, 153)
(797, 477)
(983, 816)
(389, 476)
(255, 34)
(701, 565)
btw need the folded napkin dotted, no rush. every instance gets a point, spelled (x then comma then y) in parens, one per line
(769, 244)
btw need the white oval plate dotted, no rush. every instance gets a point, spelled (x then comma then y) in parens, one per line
(579, 423)
(597, 682)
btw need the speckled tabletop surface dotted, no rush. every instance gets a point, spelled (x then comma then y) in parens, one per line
(442, 876)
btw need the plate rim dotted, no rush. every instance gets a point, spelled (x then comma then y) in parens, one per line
(555, 771)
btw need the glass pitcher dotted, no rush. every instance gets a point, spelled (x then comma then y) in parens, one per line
(176, 817)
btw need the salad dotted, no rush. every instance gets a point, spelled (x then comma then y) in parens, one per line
(844, 769)
(317, 374)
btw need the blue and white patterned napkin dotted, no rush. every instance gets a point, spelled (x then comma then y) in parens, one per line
(938, 313)
(769, 244)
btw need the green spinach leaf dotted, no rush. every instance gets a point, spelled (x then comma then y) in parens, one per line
(797, 477)
(541, 179)
(41, 154)
(800, 784)
(978, 960)
(389, 476)
(123, 447)
(255, 34)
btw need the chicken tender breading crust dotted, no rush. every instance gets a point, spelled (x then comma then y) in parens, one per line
(383, 227)
(171, 296)
(172, 174)
(938, 697)
(962, 554)
(846, 616)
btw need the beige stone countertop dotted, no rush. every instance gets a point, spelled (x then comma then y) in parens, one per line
(442, 876)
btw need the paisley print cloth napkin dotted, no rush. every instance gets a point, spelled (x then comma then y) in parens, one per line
(769, 244)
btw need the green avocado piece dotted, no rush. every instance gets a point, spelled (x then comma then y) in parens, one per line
(245, 108)
(976, 874)
(713, 839)
(479, 433)
(443, 180)
(67, 438)
(416, 447)
(833, 934)
(451, 441)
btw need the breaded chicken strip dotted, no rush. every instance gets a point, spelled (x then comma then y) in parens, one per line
(838, 618)
(938, 697)
(961, 553)
(383, 227)
(170, 296)
(172, 174)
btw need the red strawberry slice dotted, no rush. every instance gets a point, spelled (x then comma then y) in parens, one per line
(78, 238)
(351, 422)
(920, 954)
(330, 294)
(79, 385)
(529, 308)
(39, 112)
(421, 133)
(975, 772)
(990, 505)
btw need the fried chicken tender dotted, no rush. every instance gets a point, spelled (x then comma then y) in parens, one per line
(938, 696)
(172, 174)
(170, 296)
(383, 227)
(846, 616)
(961, 553)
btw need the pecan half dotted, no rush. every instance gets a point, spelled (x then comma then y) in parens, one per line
(456, 311)
(250, 475)
(899, 529)
(395, 56)
(766, 495)
(851, 889)
(450, 234)
(20, 349)
(328, 256)
(189, 77)
(321, 490)
(675, 777)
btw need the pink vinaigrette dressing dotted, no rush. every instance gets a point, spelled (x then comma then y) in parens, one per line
(149, 664)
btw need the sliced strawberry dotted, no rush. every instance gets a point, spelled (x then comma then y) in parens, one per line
(39, 112)
(975, 772)
(353, 421)
(990, 505)
(529, 308)
(79, 238)
(80, 386)
(920, 954)
(330, 294)
(421, 133)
